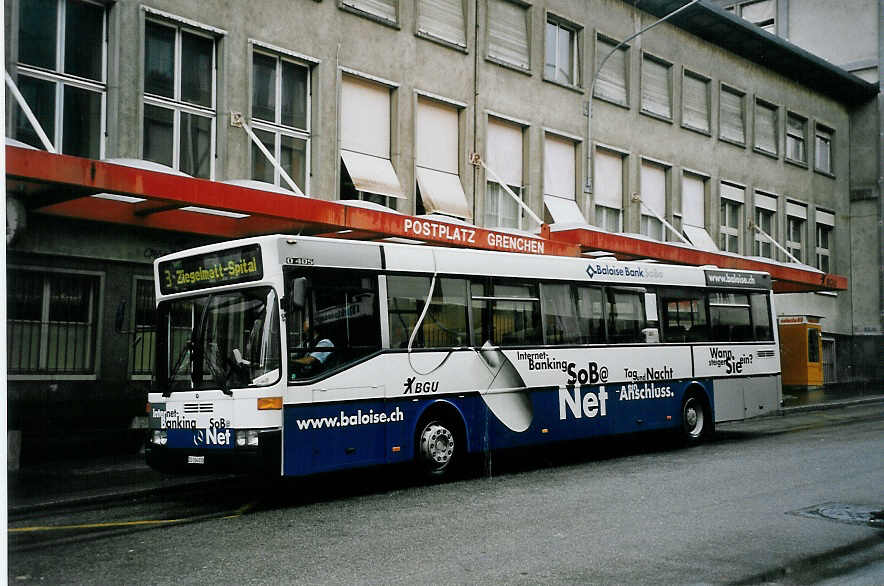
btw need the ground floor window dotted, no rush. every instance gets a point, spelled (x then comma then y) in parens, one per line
(142, 335)
(51, 324)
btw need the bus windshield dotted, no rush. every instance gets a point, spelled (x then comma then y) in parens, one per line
(219, 341)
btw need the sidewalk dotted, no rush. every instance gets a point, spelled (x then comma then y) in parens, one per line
(84, 481)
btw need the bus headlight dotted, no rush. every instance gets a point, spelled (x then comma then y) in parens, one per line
(159, 437)
(247, 438)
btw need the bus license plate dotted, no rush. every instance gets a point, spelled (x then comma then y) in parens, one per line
(196, 459)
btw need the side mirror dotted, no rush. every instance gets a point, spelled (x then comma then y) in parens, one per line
(298, 296)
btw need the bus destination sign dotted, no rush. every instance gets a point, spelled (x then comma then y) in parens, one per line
(225, 267)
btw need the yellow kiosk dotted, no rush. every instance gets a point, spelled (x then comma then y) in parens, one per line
(801, 350)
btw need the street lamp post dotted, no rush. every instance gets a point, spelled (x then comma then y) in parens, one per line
(587, 188)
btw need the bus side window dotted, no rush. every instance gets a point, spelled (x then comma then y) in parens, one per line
(590, 303)
(626, 316)
(684, 315)
(730, 317)
(516, 314)
(560, 319)
(480, 314)
(761, 320)
(445, 323)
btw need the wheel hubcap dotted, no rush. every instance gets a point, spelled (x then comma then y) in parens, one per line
(693, 418)
(437, 445)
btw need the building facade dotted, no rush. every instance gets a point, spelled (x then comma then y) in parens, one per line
(848, 35)
(443, 107)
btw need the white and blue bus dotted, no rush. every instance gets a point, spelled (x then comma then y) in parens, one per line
(309, 355)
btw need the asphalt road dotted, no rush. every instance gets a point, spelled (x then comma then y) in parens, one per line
(781, 500)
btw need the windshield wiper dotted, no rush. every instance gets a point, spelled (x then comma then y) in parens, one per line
(190, 346)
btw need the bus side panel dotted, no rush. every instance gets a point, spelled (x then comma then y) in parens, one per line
(744, 397)
(332, 436)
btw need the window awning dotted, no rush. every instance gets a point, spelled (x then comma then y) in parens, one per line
(372, 174)
(563, 210)
(699, 237)
(442, 192)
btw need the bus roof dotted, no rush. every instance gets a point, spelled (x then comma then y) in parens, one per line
(296, 250)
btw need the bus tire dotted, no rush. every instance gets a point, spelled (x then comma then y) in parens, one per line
(696, 419)
(438, 448)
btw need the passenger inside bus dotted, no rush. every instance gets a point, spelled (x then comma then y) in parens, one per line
(313, 360)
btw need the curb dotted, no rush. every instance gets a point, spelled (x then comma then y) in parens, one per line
(117, 494)
(833, 405)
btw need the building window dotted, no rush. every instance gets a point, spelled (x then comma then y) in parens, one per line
(508, 33)
(762, 14)
(608, 191)
(561, 64)
(367, 171)
(823, 149)
(611, 81)
(732, 117)
(143, 331)
(280, 118)
(437, 160)
(796, 141)
(653, 196)
(766, 137)
(796, 220)
(695, 102)
(656, 87)
(51, 322)
(504, 158)
(824, 243)
(61, 74)
(560, 179)
(693, 210)
(384, 10)
(730, 217)
(179, 98)
(765, 213)
(442, 20)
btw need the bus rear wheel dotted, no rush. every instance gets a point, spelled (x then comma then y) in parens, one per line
(438, 448)
(696, 420)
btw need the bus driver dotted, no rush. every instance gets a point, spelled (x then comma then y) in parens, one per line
(313, 360)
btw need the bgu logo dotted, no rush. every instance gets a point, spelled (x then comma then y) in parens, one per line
(414, 388)
(213, 436)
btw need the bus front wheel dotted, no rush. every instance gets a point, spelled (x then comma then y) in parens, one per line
(437, 448)
(696, 419)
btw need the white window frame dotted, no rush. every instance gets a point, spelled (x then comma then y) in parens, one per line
(823, 135)
(820, 250)
(176, 104)
(61, 79)
(276, 127)
(97, 313)
(602, 210)
(648, 221)
(794, 137)
(731, 208)
(760, 241)
(796, 229)
(573, 31)
(502, 196)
